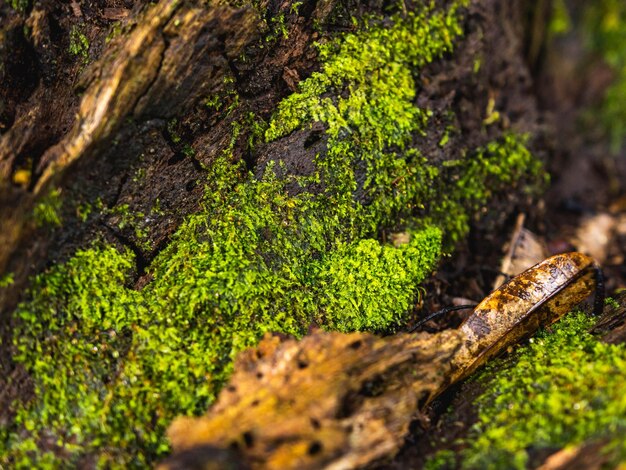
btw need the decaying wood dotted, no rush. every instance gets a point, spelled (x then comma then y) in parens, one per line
(330, 400)
(174, 54)
(344, 401)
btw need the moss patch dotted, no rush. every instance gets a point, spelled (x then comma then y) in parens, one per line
(565, 387)
(47, 212)
(112, 365)
(19, 5)
(372, 117)
(79, 44)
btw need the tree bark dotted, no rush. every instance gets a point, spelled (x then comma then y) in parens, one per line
(113, 107)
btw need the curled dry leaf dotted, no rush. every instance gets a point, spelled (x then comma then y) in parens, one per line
(525, 249)
(594, 235)
(537, 297)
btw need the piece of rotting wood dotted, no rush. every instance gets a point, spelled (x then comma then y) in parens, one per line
(330, 400)
(340, 401)
(175, 54)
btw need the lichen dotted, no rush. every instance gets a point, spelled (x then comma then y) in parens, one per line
(113, 365)
(564, 388)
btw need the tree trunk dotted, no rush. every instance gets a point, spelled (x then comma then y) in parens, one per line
(185, 176)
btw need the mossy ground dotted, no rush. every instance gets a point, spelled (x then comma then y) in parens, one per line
(562, 389)
(113, 365)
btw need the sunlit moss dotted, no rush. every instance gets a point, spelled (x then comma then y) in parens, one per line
(19, 5)
(565, 387)
(6, 280)
(47, 212)
(79, 44)
(113, 365)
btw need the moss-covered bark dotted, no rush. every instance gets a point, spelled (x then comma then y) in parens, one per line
(563, 390)
(173, 232)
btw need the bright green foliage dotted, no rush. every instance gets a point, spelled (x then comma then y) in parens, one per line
(374, 117)
(563, 388)
(76, 327)
(111, 360)
(47, 211)
(372, 74)
(560, 23)
(123, 218)
(606, 25)
(488, 169)
(441, 460)
(113, 365)
(6, 280)
(374, 66)
(79, 44)
(19, 5)
(368, 281)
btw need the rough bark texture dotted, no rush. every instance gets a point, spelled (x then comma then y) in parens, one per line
(329, 401)
(111, 114)
(110, 105)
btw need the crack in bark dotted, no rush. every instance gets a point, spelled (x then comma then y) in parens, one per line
(141, 261)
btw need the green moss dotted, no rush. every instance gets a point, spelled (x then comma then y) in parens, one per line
(226, 100)
(443, 459)
(560, 23)
(374, 67)
(373, 284)
(79, 44)
(112, 365)
(6, 280)
(565, 387)
(19, 5)
(477, 177)
(373, 118)
(278, 28)
(124, 218)
(115, 365)
(47, 211)
(611, 302)
(172, 129)
(114, 31)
